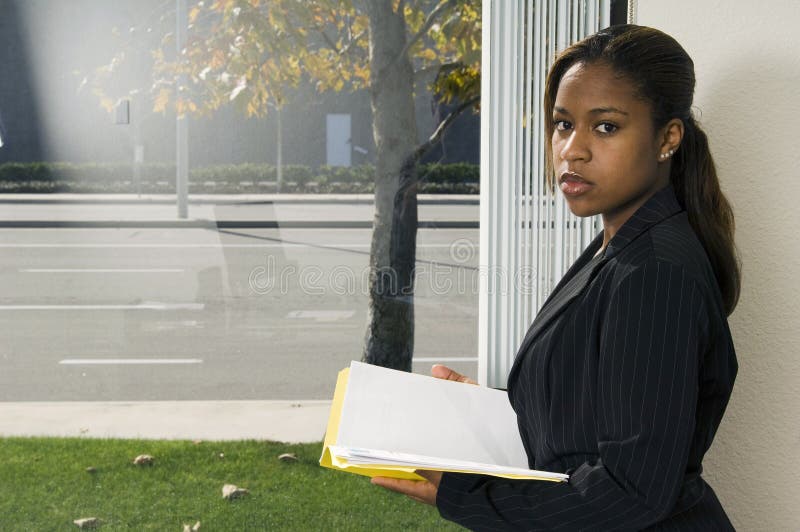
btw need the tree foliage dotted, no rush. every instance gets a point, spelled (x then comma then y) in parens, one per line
(253, 53)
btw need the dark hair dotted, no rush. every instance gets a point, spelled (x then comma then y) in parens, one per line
(663, 74)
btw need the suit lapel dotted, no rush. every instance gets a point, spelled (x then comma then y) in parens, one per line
(570, 286)
(660, 206)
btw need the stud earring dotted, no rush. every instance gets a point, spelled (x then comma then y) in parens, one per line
(664, 156)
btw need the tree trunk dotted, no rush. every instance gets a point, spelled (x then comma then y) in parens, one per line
(390, 329)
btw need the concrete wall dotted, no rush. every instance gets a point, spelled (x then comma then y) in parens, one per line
(748, 73)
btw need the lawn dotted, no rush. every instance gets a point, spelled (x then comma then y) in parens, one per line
(45, 485)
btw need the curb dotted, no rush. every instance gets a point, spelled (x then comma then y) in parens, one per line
(227, 199)
(298, 421)
(218, 224)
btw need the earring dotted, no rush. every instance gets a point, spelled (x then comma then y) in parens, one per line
(664, 156)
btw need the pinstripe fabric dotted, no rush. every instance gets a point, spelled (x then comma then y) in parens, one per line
(621, 381)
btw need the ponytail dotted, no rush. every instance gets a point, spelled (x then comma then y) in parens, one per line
(694, 178)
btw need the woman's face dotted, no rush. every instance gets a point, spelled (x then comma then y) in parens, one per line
(605, 150)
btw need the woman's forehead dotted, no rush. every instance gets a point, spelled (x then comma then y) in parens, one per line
(595, 84)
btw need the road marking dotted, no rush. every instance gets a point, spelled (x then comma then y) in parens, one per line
(321, 315)
(212, 246)
(101, 270)
(444, 359)
(140, 306)
(133, 361)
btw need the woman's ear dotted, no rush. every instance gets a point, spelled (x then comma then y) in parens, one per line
(669, 138)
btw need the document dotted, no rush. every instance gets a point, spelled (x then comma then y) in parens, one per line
(389, 423)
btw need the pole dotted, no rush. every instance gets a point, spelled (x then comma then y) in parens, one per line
(182, 120)
(280, 150)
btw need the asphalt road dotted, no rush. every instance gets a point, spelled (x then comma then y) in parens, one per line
(188, 314)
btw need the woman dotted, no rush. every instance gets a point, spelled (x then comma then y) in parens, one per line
(625, 373)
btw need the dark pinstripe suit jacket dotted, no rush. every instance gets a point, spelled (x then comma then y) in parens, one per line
(621, 381)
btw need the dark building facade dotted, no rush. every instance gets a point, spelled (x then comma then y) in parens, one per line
(48, 46)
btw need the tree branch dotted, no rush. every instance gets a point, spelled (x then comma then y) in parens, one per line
(328, 40)
(429, 21)
(351, 42)
(437, 67)
(436, 136)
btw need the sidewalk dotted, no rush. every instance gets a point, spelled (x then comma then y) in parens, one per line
(286, 421)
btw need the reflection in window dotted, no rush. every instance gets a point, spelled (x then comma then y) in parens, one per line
(333, 196)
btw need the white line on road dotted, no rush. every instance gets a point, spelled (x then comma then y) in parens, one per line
(444, 359)
(212, 246)
(141, 306)
(321, 315)
(135, 361)
(101, 270)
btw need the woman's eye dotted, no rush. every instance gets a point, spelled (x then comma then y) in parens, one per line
(605, 127)
(562, 125)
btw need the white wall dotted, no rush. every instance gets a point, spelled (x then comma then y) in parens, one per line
(747, 61)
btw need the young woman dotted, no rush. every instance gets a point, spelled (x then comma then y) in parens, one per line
(624, 375)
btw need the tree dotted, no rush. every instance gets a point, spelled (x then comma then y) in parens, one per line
(250, 53)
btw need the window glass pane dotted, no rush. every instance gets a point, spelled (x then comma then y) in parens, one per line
(317, 183)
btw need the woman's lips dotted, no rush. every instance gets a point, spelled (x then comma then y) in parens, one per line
(572, 184)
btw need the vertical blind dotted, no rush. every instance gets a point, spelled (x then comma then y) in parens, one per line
(528, 237)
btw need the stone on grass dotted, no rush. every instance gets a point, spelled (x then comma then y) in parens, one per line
(230, 492)
(87, 523)
(143, 459)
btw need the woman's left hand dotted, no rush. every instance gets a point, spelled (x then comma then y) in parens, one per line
(420, 490)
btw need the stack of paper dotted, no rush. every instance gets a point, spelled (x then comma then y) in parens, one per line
(389, 423)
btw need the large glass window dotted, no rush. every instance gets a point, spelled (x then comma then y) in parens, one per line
(331, 207)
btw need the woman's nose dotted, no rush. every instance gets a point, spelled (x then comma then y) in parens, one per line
(575, 147)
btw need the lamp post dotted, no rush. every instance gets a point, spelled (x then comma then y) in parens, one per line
(2, 132)
(182, 120)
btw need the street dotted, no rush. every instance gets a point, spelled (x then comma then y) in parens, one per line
(135, 314)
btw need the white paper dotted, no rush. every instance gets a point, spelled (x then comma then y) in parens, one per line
(419, 415)
(372, 457)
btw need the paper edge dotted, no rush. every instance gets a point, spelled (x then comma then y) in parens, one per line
(381, 469)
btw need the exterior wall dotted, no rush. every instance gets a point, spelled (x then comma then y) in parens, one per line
(19, 113)
(748, 69)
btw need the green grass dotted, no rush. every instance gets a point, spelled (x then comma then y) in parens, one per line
(44, 486)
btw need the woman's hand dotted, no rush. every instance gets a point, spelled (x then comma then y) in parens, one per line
(423, 491)
(443, 372)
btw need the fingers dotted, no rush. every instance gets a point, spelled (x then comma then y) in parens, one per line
(420, 491)
(434, 477)
(443, 372)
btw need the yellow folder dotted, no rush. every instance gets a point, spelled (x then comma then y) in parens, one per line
(393, 417)
(334, 462)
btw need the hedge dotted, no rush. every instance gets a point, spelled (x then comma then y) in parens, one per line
(40, 177)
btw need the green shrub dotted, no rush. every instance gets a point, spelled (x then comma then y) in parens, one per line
(159, 178)
(449, 173)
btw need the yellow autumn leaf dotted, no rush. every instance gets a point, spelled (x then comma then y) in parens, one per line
(107, 104)
(161, 100)
(428, 54)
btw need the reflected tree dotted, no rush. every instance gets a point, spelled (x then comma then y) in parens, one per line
(251, 53)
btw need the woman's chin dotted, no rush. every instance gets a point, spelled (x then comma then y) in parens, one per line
(580, 209)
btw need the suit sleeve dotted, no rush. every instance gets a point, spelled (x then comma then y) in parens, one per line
(651, 338)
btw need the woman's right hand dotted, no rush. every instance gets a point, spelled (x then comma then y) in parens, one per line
(443, 372)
